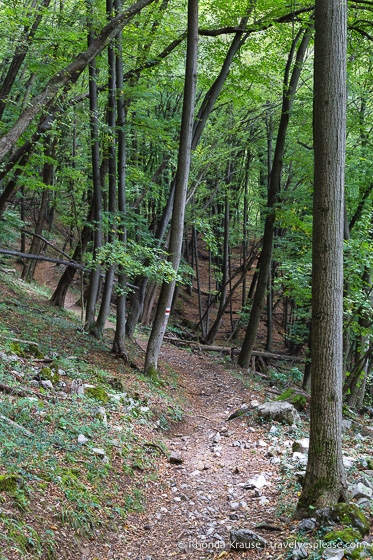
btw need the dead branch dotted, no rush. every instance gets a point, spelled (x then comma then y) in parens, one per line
(15, 425)
(13, 391)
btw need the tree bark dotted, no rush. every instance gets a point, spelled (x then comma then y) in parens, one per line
(120, 329)
(325, 480)
(94, 280)
(181, 184)
(97, 328)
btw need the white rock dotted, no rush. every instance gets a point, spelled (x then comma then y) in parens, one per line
(82, 439)
(46, 384)
(348, 462)
(359, 490)
(279, 411)
(300, 458)
(302, 445)
(99, 451)
(257, 481)
(333, 553)
(262, 443)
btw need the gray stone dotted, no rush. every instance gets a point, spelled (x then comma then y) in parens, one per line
(346, 425)
(307, 525)
(359, 490)
(99, 451)
(82, 439)
(257, 481)
(278, 411)
(366, 482)
(244, 539)
(348, 462)
(363, 502)
(299, 552)
(46, 384)
(34, 383)
(100, 413)
(175, 458)
(333, 553)
(301, 445)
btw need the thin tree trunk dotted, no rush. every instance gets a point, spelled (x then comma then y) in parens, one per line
(20, 55)
(181, 184)
(97, 328)
(213, 332)
(244, 357)
(94, 281)
(120, 329)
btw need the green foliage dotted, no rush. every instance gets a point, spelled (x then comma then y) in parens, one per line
(294, 375)
(10, 226)
(131, 260)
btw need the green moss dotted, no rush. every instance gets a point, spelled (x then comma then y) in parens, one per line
(294, 398)
(33, 349)
(97, 393)
(28, 350)
(357, 554)
(16, 349)
(350, 514)
(50, 374)
(347, 535)
(10, 483)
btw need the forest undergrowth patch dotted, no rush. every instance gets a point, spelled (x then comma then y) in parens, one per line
(79, 464)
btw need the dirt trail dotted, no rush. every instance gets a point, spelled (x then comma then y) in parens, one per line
(191, 507)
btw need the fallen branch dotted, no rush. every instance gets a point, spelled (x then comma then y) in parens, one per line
(227, 350)
(46, 241)
(15, 425)
(73, 264)
(13, 391)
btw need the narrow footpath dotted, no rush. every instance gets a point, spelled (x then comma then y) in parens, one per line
(191, 507)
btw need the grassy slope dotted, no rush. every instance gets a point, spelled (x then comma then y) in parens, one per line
(65, 492)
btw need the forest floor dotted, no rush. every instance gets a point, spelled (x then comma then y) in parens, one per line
(193, 506)
(139, 506)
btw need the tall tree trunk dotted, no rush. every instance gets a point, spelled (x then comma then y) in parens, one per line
(244, 357)
(213, 332)
(97, 328)
(181, 184)
(139, 298)
(325, 480)
(94, 280)
(120, 329)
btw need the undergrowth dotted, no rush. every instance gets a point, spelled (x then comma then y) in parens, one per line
(88, 488)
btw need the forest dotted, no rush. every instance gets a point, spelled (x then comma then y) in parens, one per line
(95, 169)
(200, 172)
